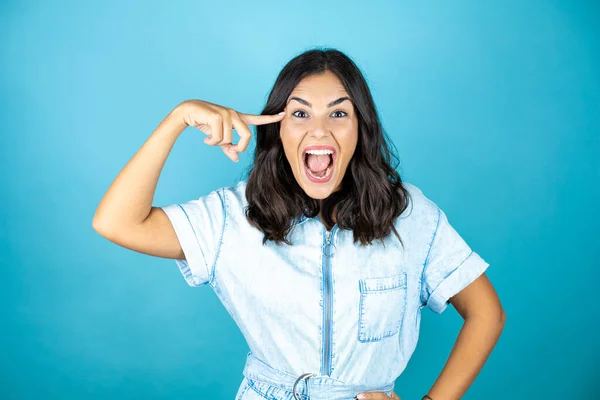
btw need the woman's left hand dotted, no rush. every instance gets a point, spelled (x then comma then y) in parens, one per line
(378, 396)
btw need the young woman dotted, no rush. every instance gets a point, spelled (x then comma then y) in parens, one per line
(323, 256)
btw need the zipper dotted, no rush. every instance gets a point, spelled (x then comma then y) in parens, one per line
(327, 254)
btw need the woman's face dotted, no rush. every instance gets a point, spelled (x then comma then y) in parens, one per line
(319, 119)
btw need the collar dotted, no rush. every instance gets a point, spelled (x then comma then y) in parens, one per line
(301, 219)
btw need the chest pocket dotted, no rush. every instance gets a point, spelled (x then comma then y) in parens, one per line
(381, 307)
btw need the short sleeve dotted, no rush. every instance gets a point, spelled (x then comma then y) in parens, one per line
(450, 266)
(199, 227)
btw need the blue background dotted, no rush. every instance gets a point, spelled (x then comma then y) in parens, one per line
(494, 110)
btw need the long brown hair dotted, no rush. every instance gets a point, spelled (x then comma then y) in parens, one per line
(372, 195)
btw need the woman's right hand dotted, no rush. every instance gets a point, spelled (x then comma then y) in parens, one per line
(217, 122)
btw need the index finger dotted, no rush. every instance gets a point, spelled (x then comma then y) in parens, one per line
(252, 119)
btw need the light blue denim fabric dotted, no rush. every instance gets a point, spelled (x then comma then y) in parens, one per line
(349, 315)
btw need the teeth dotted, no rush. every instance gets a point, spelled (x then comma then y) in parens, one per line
(319, 152)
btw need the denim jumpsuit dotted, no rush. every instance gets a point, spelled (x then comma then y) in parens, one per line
(324, 318)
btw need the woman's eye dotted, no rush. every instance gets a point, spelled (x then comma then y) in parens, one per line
(299, 111)
(335, 112)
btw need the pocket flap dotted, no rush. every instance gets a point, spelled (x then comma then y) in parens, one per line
(388, 282)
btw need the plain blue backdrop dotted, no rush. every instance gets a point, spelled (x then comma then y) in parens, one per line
(494, 110)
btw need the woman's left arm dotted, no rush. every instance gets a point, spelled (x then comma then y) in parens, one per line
(480, 307)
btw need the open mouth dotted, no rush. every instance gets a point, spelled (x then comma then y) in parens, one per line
(319, 163)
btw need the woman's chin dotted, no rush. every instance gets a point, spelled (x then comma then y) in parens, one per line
(320, 194)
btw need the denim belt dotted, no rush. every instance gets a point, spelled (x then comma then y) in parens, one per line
(310, 385)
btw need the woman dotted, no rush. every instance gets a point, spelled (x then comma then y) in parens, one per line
(323, 257)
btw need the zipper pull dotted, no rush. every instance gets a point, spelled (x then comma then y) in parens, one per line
(328, 246)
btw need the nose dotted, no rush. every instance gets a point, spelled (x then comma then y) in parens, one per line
(320, 128)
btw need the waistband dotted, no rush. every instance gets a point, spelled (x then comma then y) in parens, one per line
(311, 385)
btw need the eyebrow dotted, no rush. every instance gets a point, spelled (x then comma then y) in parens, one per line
(306, 103)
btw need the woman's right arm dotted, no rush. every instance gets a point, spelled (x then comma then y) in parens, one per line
(126, 216)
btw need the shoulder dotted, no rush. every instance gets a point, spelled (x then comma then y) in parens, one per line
(226, 197)
(418, 200)
(420, 209)
(234, 196)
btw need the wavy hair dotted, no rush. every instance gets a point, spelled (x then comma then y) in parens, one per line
(371, 196)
